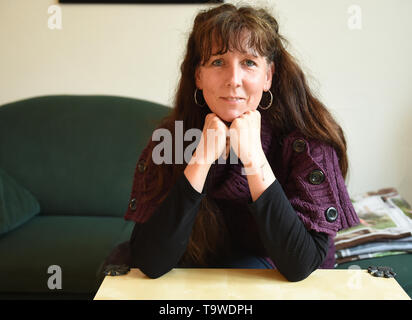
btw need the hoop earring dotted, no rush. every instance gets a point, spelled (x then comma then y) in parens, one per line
(201, 105)
(270, 103)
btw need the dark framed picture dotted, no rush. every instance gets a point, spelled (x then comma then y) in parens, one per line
(144, 1)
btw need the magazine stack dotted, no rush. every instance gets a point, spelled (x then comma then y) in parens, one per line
(385, 228)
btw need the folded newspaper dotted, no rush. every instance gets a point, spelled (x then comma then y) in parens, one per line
(368, 256)
(385, 225)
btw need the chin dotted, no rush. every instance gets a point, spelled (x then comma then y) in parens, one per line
(229, 117)
(227, 120)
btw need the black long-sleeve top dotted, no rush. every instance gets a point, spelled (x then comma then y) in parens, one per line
(159, 243)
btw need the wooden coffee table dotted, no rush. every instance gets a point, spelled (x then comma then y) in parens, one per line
(249, 284)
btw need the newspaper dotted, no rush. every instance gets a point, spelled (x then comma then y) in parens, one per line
(369, 255)
(383, 215)
(404, 244)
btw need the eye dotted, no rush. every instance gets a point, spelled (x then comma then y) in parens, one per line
(217, 62)
(250, 63)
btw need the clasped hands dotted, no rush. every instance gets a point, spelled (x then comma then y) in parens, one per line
(243, 136)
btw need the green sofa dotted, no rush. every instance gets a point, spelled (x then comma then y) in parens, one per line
(66, 171)
(67, 164)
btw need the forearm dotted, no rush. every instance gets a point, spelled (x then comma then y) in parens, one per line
(259, 176)
(295, 251)
(196, 173)
(158, 244)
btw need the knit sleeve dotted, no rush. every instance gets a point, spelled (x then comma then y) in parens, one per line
(315, 186)
(139, 209)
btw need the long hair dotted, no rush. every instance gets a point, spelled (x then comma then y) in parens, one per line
(294, 107)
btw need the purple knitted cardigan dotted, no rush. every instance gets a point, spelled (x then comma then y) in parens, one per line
(229, 188)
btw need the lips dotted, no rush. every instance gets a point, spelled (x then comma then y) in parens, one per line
(233, 98)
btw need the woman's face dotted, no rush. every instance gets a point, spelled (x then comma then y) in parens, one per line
(233, 83)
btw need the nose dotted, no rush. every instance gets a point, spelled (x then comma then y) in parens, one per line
(233, 76)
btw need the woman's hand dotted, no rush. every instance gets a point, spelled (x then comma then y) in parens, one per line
(245, 139)
(214, 140)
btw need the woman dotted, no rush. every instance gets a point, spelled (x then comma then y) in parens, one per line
(282, 203)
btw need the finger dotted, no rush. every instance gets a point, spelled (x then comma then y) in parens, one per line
(223, 154)
(227, 149)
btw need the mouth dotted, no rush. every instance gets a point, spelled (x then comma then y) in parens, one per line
(232, 99)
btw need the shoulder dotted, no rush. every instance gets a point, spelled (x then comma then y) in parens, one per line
(145, 179)
(296, 144)
(301, 155)
(314, 184)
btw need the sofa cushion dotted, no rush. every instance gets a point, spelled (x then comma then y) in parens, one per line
(78, 245)
(17, 204)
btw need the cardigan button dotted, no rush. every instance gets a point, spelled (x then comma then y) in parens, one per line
(132, 204)
(331, 214)
(316, 177)
(141, 166)
(299, 145)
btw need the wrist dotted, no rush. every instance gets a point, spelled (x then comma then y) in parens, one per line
(255, 162)
(196, 174)
(200, 160)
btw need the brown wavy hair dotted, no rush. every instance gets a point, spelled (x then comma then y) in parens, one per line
(294, 107)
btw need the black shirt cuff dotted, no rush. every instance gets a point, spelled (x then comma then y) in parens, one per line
(185, 186)
(274, 190)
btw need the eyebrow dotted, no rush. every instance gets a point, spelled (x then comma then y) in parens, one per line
(244, 53)
(251, 54)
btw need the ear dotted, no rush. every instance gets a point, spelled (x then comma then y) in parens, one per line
(269, 76)
(198, 78)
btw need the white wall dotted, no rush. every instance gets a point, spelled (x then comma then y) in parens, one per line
(362, 75)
